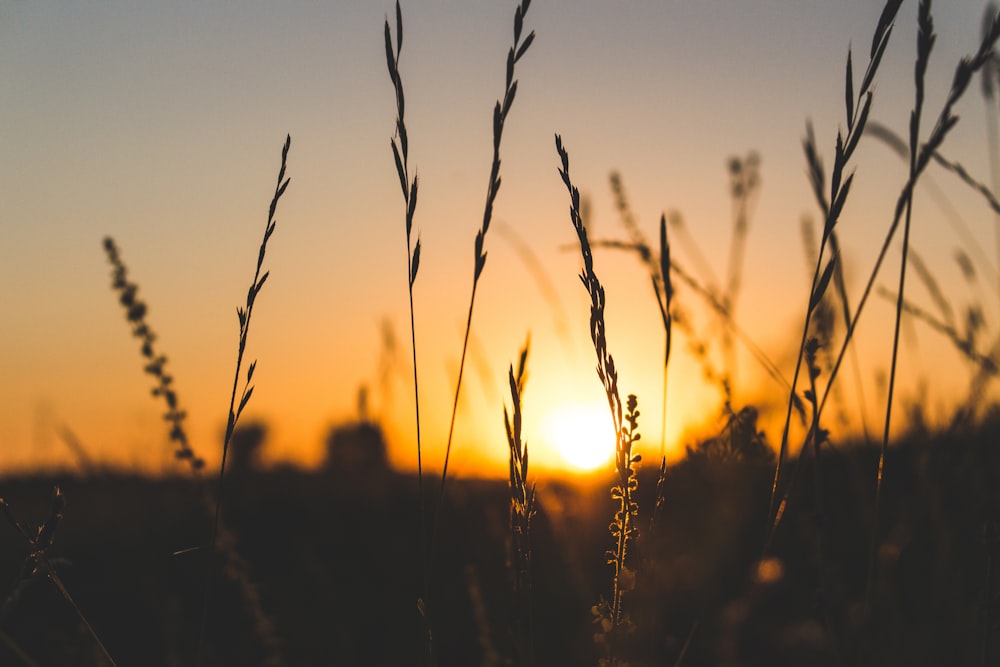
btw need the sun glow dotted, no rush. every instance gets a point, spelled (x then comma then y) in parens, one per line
(582, 434)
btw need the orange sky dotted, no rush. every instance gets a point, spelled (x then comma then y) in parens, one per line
(162, 127)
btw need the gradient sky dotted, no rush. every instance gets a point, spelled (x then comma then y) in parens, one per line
(161, 124)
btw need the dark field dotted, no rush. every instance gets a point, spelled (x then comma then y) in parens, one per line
(332, 561)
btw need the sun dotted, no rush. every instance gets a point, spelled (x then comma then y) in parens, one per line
(582, 434)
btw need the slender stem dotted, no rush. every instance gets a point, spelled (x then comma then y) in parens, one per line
(420, 474)
(771, 517)
(663, 416)
(873, 556)
(14, 648)
(400, 153)
(54, 578)
(458, 389)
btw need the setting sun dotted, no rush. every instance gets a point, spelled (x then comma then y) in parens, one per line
(582, 434)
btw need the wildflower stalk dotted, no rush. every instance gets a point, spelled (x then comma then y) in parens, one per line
(135, 313)
(609, 614)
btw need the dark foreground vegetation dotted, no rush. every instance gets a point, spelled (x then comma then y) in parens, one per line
(327, 572)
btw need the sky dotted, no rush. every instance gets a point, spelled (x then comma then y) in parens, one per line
(161, 125)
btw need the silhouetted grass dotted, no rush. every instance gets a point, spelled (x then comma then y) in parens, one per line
(321, 575)
(614, 624)
(522, 512)
(500, 111)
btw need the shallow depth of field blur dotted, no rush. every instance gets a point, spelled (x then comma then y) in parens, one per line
(161, 127)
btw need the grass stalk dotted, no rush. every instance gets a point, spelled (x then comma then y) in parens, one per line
(664, 289)
(900, 148)
(817, 436)
(244, 315)
(925, 43)
(708, 295)
(659, 273)
(743, 187)
(857, 108)
(500, 111)
(522, 510)
(175, 416)
(946, 121)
